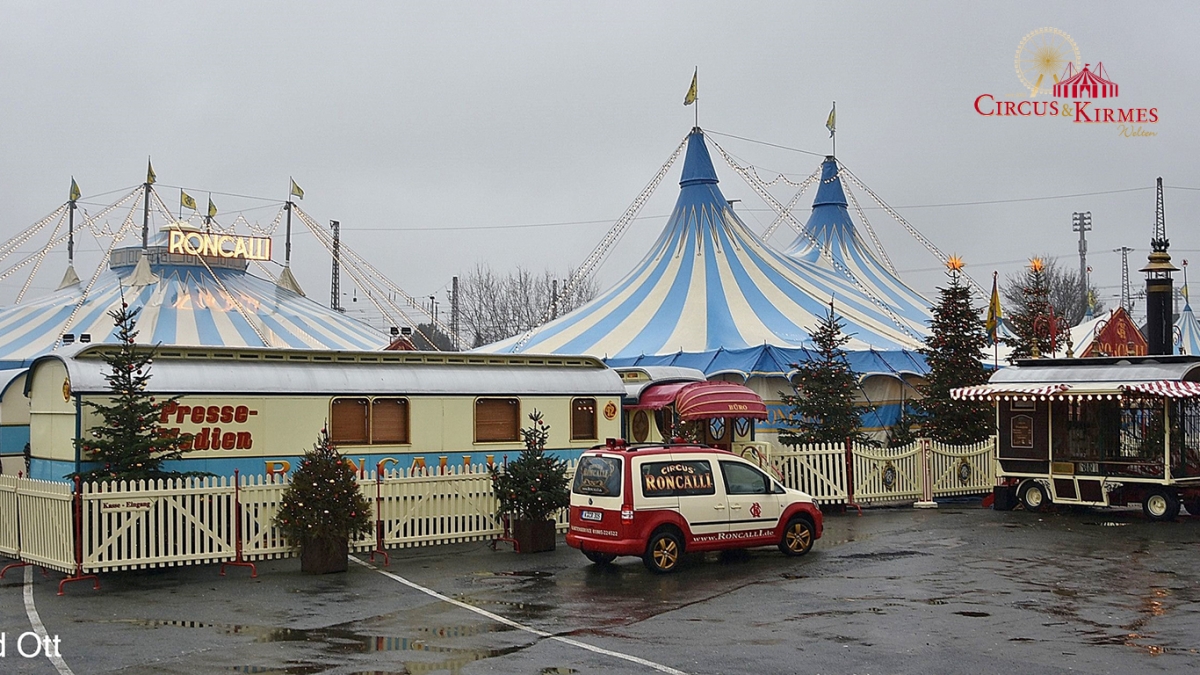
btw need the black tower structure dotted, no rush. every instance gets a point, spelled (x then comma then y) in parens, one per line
(1159, 319)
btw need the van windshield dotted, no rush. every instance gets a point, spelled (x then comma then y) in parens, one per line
(598, 477)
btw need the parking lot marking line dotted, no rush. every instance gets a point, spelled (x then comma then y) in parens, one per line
(35, 622)
(509, 622)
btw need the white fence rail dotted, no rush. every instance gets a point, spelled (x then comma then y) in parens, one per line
(833, 474)
(195, 521)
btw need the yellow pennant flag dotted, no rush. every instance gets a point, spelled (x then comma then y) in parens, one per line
(994, 314)
(296, 191)
(186, 200)
(831, 122)
(691, 94)
(149, 173)
(212, 209)
(74, 189)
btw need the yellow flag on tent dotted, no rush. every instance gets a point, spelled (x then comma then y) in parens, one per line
(691, 93)
(831, 122)
(212, 209)
(994, 314)
(150, 173)
(186, 200)
(74, 189)
(296, 191)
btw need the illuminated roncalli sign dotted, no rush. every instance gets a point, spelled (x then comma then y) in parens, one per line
(215, 245)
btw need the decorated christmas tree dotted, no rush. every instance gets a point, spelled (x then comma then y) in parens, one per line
(1032, 312)
(323, 502)
(534, 485)
(954, 351)
(821, 403)
(131, 444)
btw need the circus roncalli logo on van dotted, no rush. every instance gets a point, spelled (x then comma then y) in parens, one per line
(1059, 84)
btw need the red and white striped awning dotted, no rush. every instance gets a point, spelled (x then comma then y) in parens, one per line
(1169, 388)
(994, 390)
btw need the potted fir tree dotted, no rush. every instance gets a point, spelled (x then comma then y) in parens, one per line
(323, 508)
(532, 489)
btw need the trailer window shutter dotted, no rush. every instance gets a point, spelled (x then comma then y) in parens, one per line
(497, 419)
(583, 419)
(389, 421)
(348, 421)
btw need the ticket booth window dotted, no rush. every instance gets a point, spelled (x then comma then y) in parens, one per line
(497, 420)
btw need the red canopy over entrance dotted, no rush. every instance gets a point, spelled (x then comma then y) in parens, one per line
(703, 400)
(658, 396)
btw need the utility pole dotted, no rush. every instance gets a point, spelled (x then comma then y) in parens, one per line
(1124, 251)
(1082, 223)
(454, 312)
(335, 285)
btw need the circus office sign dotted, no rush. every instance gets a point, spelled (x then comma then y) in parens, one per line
(1048, 64)
(217, 245)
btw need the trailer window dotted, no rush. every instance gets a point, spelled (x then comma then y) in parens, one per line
(389, 421)
(583, 419)
(497, 419)
(348, 421)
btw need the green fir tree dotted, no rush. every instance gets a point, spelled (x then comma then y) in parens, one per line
(1032, 310)
(131, 444)
(821, 405)
(322, 500)
(954, 350)
(533, 486)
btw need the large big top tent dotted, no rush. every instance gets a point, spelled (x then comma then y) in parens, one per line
(184, 300)
(711, 294)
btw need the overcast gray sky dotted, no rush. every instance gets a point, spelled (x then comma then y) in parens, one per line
(446, 134)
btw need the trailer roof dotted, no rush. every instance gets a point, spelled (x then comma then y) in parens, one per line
(201, 370)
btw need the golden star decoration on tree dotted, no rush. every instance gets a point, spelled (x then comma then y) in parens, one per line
(1036, 264)
(955, 264)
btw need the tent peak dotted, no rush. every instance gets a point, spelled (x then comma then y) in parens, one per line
(697, 165)
(830, 192)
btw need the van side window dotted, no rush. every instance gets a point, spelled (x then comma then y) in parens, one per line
(677, 479)
(741, 479)
(598, 477)
(497, 419)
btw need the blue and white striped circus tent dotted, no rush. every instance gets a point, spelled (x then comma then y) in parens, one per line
(184, 300)
(1187, 335)
(830, 240)
(712, 295)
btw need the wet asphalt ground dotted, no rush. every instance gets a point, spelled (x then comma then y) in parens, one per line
(959, 589)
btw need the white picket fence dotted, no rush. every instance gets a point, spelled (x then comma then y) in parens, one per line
(887, 475)
(115, 526)
(195, 521)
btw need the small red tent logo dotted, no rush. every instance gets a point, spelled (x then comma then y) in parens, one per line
(1085, 83)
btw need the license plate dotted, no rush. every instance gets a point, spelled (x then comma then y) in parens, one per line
(595, 516)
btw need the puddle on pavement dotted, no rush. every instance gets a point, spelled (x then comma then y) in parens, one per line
(975, 615)
(879, 556)
(561, 670)
(1065, 592)
(342, 641)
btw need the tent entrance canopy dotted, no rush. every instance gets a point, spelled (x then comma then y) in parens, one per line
(702, 400)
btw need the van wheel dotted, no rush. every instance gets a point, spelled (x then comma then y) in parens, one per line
(600, 558)
(662, 553)
(1160, 504)
(797, 537)
(1033, 497)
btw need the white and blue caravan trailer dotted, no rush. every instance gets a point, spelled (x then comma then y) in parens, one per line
(257, 410)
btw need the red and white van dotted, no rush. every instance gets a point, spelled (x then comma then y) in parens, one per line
(659, 501)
